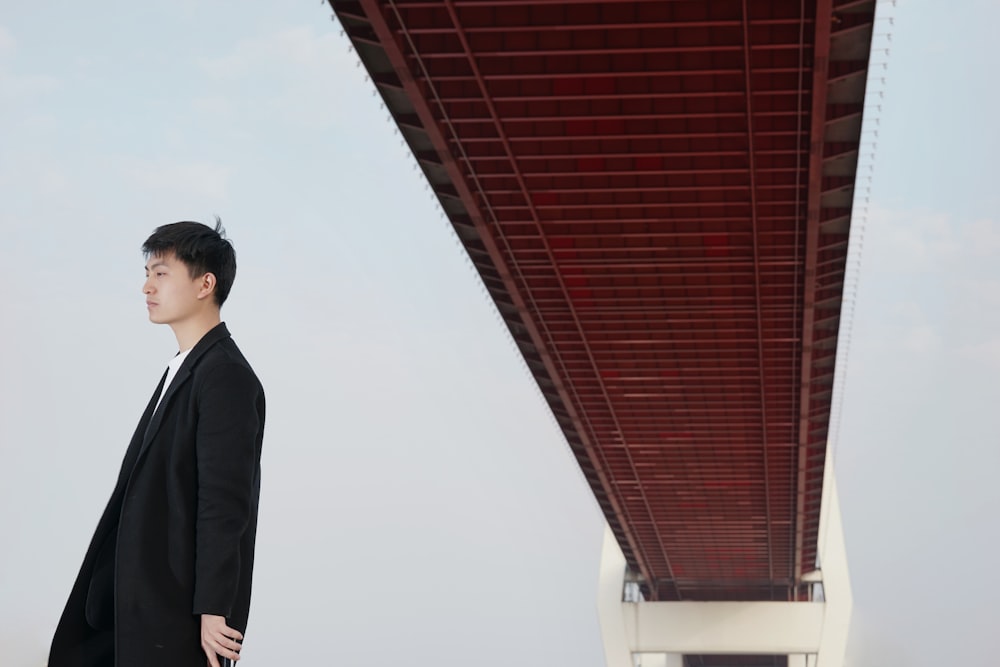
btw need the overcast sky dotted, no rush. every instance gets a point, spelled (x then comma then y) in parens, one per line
(419, 503)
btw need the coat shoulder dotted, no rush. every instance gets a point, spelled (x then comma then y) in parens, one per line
(226, 360)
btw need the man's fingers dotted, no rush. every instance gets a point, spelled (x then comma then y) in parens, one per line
(228, 643)
(219, 640)
(226, 648)
(230, 638)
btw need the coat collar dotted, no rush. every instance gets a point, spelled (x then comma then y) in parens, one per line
(213, 336)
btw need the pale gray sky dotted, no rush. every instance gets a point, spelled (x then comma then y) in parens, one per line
(419, 503)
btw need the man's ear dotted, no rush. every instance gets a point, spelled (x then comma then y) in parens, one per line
(206, 285)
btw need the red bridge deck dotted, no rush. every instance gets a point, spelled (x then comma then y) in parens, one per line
(657, 195)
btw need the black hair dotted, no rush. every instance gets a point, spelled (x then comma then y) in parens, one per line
(201, 248)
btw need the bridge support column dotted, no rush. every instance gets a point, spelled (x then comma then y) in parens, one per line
(659, 634)
(659, 660)
(617, 648)
(835, 576)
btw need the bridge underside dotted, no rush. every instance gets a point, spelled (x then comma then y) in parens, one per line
(657, 195)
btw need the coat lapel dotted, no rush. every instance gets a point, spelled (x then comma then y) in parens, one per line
(214, 335)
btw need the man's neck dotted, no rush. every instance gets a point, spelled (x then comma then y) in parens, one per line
(189, 332)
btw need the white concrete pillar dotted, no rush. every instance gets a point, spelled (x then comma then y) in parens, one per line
(659, 660)
(650, 660)
(617, 652)
(837, 595)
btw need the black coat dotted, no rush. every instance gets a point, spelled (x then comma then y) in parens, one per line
(177, 537)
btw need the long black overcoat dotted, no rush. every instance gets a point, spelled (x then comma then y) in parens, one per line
(177, 537)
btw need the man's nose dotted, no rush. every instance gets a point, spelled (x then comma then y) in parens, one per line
(147, 286)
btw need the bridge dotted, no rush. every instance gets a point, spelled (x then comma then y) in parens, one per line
(657, 195)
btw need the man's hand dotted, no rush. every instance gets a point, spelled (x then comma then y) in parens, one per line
(219, 638)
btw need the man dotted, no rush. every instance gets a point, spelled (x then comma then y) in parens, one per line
(166, 579)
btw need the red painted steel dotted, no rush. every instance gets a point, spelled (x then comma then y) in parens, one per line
(657, 196)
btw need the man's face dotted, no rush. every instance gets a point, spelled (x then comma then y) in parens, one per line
(172, 296)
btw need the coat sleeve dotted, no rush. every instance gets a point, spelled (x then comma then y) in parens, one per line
(227, 447)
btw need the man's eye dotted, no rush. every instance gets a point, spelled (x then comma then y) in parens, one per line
(160, 274)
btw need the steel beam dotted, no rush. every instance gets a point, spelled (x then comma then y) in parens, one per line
(821, 66)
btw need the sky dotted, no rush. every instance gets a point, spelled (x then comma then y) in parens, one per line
(419, 502)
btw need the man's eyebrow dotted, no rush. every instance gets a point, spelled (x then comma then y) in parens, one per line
(153, 266)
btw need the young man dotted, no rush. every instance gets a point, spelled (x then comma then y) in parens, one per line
(166, 580)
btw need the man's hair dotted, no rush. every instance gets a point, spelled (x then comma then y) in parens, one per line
(201, 248)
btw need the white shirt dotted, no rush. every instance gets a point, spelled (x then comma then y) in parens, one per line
(172, 367)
